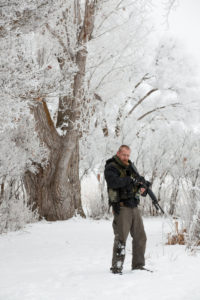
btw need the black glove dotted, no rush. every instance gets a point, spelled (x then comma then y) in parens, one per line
(116, 208)
(146, 185)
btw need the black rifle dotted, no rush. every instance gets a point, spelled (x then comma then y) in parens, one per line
(142, 183)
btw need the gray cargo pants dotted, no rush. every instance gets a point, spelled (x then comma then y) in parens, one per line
(128, 220)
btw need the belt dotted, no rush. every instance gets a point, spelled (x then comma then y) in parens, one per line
(128, 205)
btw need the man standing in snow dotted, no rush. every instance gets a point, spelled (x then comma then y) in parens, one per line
(124, 192)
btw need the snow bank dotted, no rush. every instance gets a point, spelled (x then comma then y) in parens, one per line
(71, 260)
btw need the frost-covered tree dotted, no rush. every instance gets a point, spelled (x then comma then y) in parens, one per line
(29, 74)
(59, 183)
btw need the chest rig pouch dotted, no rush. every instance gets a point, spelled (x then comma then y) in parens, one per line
(129, 195)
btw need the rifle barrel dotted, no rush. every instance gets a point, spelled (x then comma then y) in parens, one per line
(154, 200)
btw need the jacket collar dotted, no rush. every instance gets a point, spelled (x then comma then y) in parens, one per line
(119, 162)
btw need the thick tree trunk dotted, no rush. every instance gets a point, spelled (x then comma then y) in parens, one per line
(55, 189)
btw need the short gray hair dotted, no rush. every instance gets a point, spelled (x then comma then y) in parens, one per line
(123, 146)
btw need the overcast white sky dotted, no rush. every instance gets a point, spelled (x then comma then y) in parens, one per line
(184, 22)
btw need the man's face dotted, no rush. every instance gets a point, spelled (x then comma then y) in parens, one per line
(124, 155)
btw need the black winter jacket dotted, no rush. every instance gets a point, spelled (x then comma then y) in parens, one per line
(124, 185)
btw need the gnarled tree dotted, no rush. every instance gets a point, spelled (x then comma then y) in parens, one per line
(56, 188)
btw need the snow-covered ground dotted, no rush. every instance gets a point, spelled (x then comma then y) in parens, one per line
(71, 259)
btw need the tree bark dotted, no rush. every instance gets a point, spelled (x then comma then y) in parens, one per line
(55, 189)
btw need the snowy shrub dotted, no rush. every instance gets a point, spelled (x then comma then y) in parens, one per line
(189, 209)
(94, 196)
(15, 211)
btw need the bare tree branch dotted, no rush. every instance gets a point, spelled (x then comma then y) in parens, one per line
(157, 109)
(145, 77)
(141, 100)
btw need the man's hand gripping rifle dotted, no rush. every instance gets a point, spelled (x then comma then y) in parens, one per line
(142, 183)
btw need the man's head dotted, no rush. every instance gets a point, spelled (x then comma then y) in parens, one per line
(124, 153)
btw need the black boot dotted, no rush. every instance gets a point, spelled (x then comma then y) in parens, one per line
(116, 270)
(141, 268)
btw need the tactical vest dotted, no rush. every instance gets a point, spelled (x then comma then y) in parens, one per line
(127, 194)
